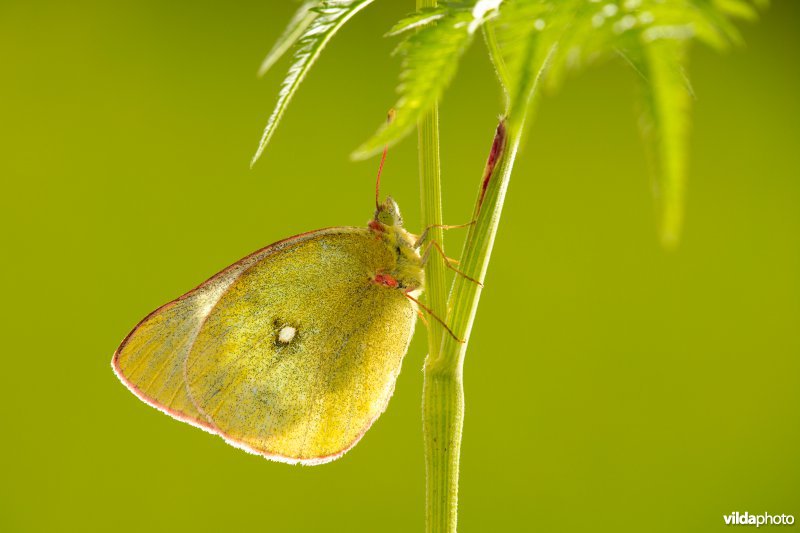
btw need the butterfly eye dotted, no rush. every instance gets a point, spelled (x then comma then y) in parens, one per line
(388, 213)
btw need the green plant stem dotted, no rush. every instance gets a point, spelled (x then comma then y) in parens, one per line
(465, 294)
(441, 465)
(442, 399)
(443, 394)
(443, 414)
(431, 209)
(443, 391)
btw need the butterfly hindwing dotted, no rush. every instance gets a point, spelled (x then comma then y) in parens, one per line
(150, 361)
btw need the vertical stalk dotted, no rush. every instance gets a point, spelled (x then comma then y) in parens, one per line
(443, 414)
(431, 209)
(442, 397)
(443, 392)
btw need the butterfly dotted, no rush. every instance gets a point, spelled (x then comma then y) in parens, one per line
(292, 352)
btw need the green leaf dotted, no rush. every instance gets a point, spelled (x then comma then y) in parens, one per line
(664, 124)
(331, 15)
(584, 32)
(548, 38)
(525, 45)
(417, 20)
(430, 60)
(301, 20)
(737, 8)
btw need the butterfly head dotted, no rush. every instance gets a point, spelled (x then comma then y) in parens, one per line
(406, 273)
(388, 213)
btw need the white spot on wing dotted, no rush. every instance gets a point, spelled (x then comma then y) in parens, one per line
(286, 334)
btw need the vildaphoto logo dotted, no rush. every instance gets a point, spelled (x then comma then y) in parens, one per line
(766, 519)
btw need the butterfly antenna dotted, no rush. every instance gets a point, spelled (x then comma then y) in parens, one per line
(389, 120)
(378, 179)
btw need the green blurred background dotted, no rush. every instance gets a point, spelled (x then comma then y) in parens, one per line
(610, 385)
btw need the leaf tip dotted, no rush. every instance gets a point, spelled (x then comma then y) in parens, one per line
(670, 227)
(364, 152)
(257, 155)
(264, 68)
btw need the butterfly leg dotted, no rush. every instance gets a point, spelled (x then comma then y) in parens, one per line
(430, 312)
(422, 317)
(447, 261)
(424, 235)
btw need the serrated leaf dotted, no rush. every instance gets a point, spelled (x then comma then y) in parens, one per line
(331, 16)
(430, 60)
(528, 34)
(300, 21)
(666, 102)
(416, 20)
(586, 32)
(551, 37)
(523, 56)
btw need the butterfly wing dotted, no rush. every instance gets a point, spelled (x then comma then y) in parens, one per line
(151, 359)
(291, 353)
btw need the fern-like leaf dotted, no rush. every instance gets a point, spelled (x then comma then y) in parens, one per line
(430, 60)
(417, 20)
(331, 15)
(301, 20)
(523, 50)
(653, 34)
